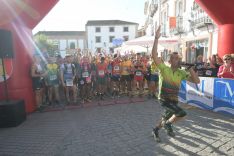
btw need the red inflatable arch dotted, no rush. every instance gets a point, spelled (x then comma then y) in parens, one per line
(222, 12)
(20, 17)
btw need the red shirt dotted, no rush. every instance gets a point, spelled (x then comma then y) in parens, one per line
(101, 69)
(116, 67)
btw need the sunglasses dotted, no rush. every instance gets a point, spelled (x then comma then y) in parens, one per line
(227, 59)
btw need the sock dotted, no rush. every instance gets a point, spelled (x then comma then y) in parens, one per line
(168, 122)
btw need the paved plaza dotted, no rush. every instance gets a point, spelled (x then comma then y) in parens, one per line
(117, 130)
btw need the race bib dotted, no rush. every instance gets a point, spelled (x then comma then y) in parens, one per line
(208, 72)
(85, 74)
(101, 73)
(125, 68)
(81, 82)
(53, 77)
(116, 67)
(69, 82)
(155, 73)
(138, 73)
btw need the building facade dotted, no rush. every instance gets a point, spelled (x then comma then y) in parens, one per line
(185, 20)
(105, 35)
(66, 42)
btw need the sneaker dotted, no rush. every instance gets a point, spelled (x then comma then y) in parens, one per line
(155, 133)
(113, 95)
(40, 109)
(117, 94)
(101, 97)
(168, 127)
(88, 100)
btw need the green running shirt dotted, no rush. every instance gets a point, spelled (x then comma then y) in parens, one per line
(169, 82)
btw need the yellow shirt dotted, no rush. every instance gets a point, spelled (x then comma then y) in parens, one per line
(126, 67)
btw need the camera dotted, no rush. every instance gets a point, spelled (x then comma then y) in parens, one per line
(187, 66)
(184, 64)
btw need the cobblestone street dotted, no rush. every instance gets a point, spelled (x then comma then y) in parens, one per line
(118, 130)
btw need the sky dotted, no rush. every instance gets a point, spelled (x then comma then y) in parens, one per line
(72, 15)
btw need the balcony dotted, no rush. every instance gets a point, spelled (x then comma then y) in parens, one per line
(202, 22)
(179, 29)
(153, 9)
(195, 6)
(163, 1)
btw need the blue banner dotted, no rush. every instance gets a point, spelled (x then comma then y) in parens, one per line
(224, 96)
(214, 94)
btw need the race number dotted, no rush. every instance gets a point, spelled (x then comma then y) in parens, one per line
(138, 73)
(101, 73)
(69, 82)
(116, 68)
(53, 77)
(85, 74)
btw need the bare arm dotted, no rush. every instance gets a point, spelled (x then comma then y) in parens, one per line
(193, 76)
(34, 74)
(155, 57)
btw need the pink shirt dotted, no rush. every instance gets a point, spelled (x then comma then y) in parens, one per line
(227, 74)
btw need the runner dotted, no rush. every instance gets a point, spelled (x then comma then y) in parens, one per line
(101, 77)
(139, 69)
(125, 75)
(37, 74)
(52, 81)
(169, 84)
(116, 63)
(67, 76)
(153, 86)
(85, 80)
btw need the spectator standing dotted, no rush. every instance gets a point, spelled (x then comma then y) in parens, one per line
(200, 66)
(227, 69)
(212, 67)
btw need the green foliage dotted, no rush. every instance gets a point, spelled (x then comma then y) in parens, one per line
(42, 42)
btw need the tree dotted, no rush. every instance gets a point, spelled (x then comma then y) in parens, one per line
(42, 42)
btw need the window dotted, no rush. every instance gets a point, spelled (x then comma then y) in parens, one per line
(125, 29)
(111, 50)
(111, 29)
(111, 38)
(98, 29)
(98, 39)
(126, 38)
(72, 45)
(98, 50)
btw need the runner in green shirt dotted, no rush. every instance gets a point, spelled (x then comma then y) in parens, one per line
(169, 84)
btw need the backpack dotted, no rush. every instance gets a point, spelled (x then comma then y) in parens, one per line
(73, 68)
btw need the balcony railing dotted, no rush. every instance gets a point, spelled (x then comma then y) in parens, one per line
(179, 29)
(202, 22)
(153, 9)
(163, 1)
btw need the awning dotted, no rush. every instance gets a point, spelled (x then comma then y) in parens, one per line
(149, 40)
(127, 49)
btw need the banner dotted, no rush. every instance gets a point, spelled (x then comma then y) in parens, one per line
(172, 22)
(201, 95)
(224, 95)
(182, 92)
(216, 94)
